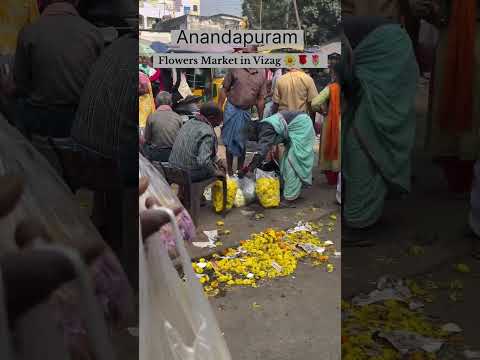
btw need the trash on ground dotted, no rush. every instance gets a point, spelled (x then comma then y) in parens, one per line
(277, 267)
(406, 341)
(388, 288)
(451, 328)
(302, 226)
(247, 212)
(309, 248)
(469, 354)
(203, 244)
(212, 236)
(259, 216)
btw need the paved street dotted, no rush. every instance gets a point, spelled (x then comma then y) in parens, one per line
(298, 317)
(434, 221)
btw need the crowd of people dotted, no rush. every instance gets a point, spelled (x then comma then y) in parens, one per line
(62, 78)
(287, 104)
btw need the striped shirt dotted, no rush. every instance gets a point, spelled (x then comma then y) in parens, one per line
(107, 117)
(195, 147)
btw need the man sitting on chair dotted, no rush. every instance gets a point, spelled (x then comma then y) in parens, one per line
(196, 145)
(162, 128)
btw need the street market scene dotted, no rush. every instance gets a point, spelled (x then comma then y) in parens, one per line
(266, 244)
(281, 212)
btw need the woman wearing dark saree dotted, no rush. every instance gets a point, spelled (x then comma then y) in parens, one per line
(378, 75)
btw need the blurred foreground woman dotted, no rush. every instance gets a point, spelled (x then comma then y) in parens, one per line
(378, 75)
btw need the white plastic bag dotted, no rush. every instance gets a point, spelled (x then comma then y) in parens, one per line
(245, 192)
(183, 87)
(45, 198)
(176, 319)
(158, 186)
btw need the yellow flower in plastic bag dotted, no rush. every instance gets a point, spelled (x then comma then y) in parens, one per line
(268, 192)
(217, 194)
(240, 200)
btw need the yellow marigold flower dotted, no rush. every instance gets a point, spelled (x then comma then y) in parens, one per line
(268, 192)
(217, 194)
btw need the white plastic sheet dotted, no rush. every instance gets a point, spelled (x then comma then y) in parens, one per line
(176, 320)
(158, 187)
(46, 198)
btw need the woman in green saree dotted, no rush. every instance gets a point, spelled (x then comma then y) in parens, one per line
(378, 75)
(295, 130)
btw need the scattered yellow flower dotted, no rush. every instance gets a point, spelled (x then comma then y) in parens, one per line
(265, 255)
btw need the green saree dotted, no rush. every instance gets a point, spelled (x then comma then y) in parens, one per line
(297, 162)
(378, 129)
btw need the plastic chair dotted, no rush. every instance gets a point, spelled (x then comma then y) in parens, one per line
(192, 191)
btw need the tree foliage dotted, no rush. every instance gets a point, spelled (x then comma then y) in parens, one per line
(318, 17)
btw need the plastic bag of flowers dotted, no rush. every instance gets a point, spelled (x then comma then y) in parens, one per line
(267, 186)
(246, 191)
(217, 194)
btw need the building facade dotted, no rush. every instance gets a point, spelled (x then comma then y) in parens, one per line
(206, 23)
(153, 11)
